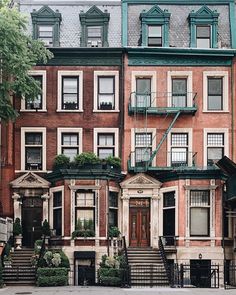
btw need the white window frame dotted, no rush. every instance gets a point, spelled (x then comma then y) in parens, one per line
(51, 191)
(114, 74)
(60, 131)
(25, 130)
(60, 74)
(145, 74)
(180, 74)
(190, 144)
(167, 190)
(225, 77)
(115, 131)
(142, 130)
(226, 141)
(42, 73)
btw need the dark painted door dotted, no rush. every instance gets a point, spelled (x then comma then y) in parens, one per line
(139, 220)
(31, 220)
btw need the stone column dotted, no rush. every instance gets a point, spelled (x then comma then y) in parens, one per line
(154, 219)
(45, 199)
(17, 205)
(125, 227)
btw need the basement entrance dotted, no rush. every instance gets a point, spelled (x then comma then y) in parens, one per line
(32, 211)
(139, 222)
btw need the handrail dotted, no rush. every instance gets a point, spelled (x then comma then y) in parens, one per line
(163, 256)
(125, 250)
(41, 250)
(126, 278)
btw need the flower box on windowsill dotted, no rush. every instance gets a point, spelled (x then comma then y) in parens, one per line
(106, 106)
(70, 106)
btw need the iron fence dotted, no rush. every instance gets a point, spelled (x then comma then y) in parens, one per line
(230, 276)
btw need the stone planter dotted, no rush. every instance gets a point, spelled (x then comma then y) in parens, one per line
(18, 241)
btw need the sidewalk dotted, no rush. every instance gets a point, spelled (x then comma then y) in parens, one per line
(71, 290)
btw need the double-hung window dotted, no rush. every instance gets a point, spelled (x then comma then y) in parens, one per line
(113, 209)
(155, 36)
(85, 210)
(37, 102)
(106, 145)
(169, 215)
(199, 212)
(70, 144)
(143, 92)
(33, 150)
(179, 149)
(179, 92)
(57, 212)
(215, 147)
(143, 147)
(215, 93)
(45, 34)
(94, 36)
(70, 93)
(203, 36)
(106, 93)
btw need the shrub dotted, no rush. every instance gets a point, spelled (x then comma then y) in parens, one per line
(86, 158)
(48, 271)
(46, 228)
(114, 161)
(37, 246)
(52, 281)
(113, 231)
(61, 161)
(47, 261)
(1, 279)
(17, 228)
(110, 281)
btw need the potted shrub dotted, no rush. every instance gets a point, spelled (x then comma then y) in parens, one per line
(113, 232)
(114, 161)
(105, 106)
(87, 159)
(46, 231)
(17, 232)
(60, 162)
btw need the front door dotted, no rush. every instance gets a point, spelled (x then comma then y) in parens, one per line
(32, 209)
(139, 220)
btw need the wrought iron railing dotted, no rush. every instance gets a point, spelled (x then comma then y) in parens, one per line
(163, 256)
(169, 241)
(42, 250)
(126, 273)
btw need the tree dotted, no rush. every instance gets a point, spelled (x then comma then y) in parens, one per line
(18, 54)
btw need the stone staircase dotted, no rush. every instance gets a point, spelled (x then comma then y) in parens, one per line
(146, 267)
(21, 271)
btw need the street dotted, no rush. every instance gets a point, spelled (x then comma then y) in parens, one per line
(19, 290)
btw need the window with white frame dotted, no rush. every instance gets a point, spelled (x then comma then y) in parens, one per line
(106, 145)
(69, 142)
(199, 212)
(70, 91)
(215, 147)
(45, 34)
(179, 149)
(169, 214)
(57, 212)
(106, 91)
(143, 147)
(143, 92)
(33, 148)
(37, 103)
(94, 36)
(215, 91)
(85, 210)
(179, 92)
(203, 36)
(113, 209)
(155, 36)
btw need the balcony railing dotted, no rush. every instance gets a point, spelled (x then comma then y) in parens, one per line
(162, 102)
(169, 241)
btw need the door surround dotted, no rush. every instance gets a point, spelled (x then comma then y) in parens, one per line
(141, 186)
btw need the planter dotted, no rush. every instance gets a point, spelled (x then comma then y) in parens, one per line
(18, 241)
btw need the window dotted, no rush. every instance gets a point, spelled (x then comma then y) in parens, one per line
(46, 26)
(33, 151)
(69, 142)
(143, 92)
(155, 27)
(94, 28)
(33, 148)
(113, 209)
(85, 210)
(203, 36)
(215, 91)
(37, 102)
(94, 38)
(215, 94)
(57, 212)
(204, 28)
(106, 91)
(215, 147)
(155, 36)
(106, 145)
(179, 149)
(143, 147)
(179, 92)
(200, 213)
(70, 91)
(169, 214)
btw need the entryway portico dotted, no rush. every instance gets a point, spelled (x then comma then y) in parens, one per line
(139, 209)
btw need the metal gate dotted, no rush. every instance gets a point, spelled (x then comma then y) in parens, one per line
(230, 276)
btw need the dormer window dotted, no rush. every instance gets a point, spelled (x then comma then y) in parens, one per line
(46, 26)
(203, 28)
(94, 28)
(155, 27)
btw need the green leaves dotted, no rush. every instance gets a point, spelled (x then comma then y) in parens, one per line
(18, 54)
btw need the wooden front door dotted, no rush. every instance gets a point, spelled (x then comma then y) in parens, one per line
(139, 223)
(31, 220)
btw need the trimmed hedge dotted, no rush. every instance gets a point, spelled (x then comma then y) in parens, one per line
(110, 281)
(52, 276)
(110, 276)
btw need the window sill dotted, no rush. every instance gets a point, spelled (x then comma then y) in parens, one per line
(34, 171)
(223, 111)
(106, 111)
(34, 111)
(69, 111)
(200, 238)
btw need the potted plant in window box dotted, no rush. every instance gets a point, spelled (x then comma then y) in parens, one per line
(84, 229)
(70, 106)
(61, 162)
(114, 162)
(17, 233)
(87, 160)
(105, 106)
